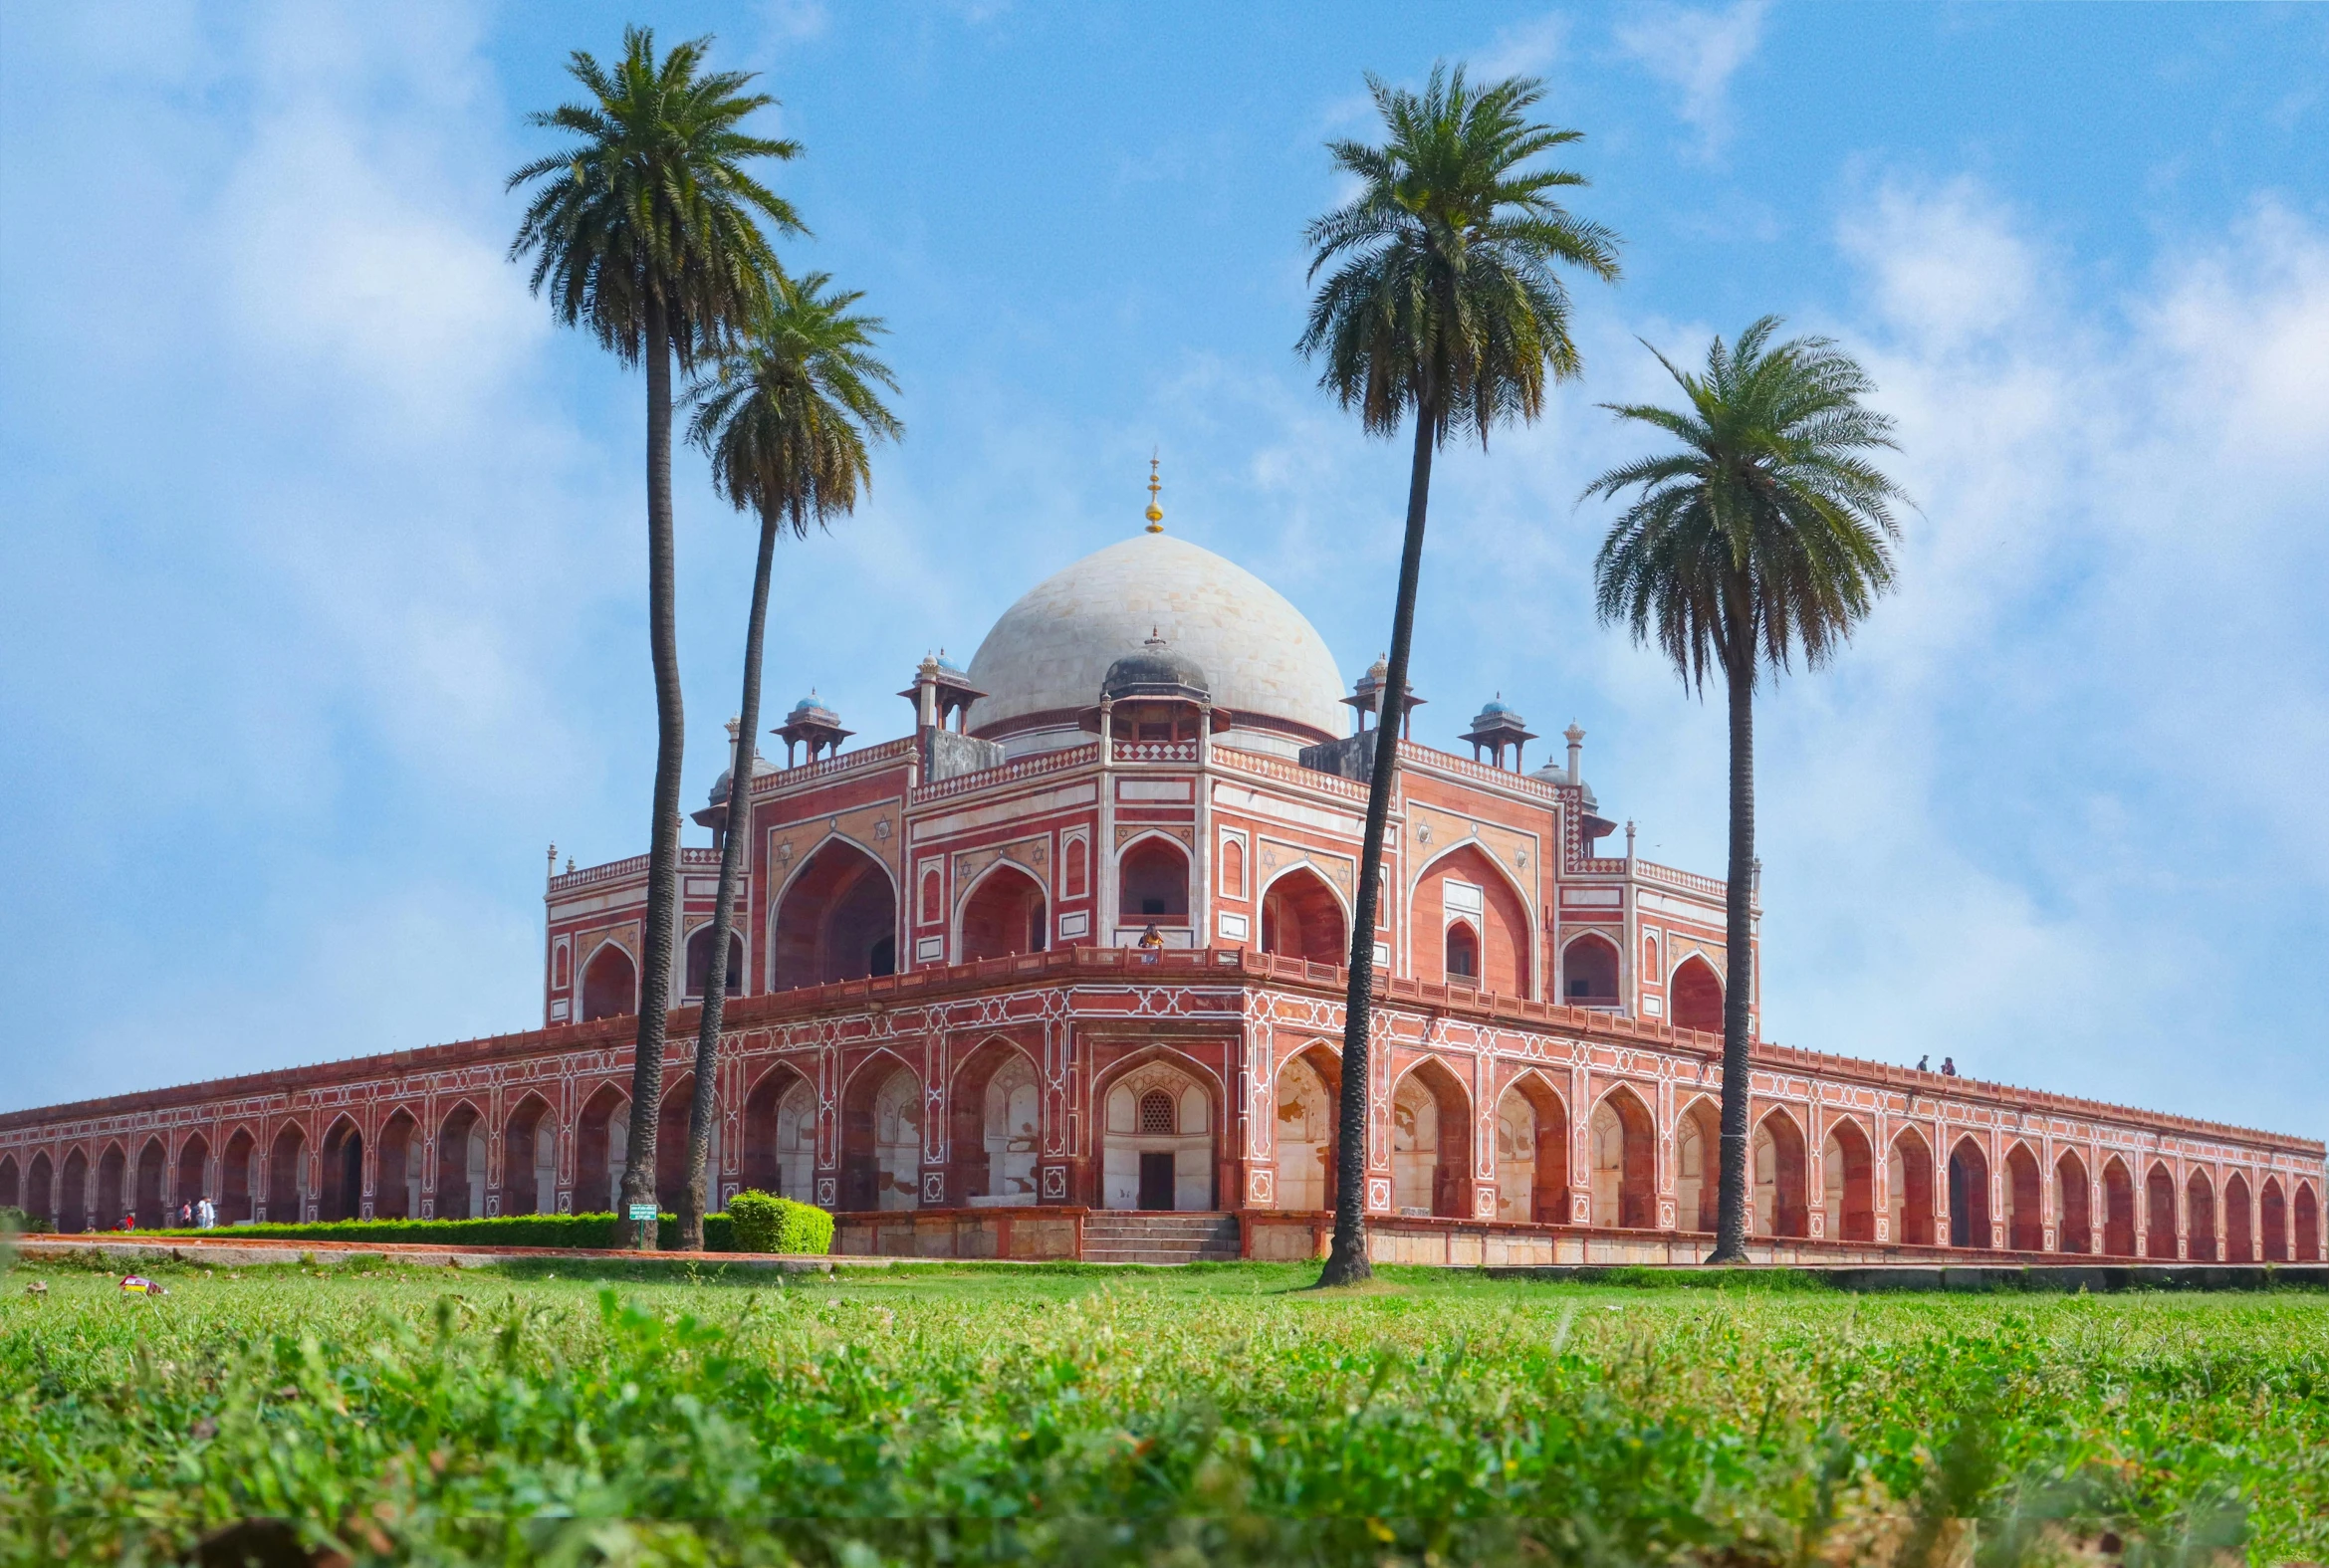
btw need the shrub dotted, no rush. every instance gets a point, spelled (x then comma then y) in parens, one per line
(15, 1222)
(765, 1222)
(582, 1230)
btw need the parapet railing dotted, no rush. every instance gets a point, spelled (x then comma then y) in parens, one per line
(1153, 750)
(1008, 773)
(1288, 772)
(783, 778)
(618, 870)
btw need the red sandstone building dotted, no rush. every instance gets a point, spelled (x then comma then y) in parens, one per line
(942, 1027)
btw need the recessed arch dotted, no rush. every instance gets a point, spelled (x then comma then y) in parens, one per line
(238, 1177)
(1694, 997)
(1908, 1169)
(461, 1144)
(673, 1114)
(40, 1187)
(1848, 1180)
(530, 1158)
(2025, 1191)
(11, 1183)
(1465, 883)
(835, 918)
(2200, 1217)
(1776, 1165)
(1431, 1142)
(1969, 1194)
(1460, 953)
(2119, 1236)
(780, 1134)
(610, 983)
(881, 1135)
(2074, 1231)
(1309, 1088)
(1588, 972)
(1303, 917)
(1152, 881)
(112, 1170)
(1004, 912)
(602, 1150)
(1532, 1151)
(2273, 1221)
(193, 1178)
(2306, 1214)
(2158, 1212)
(341, 1189)
(1160, 1111)
(994, 1125)
(699, 960)
(146, 1201)
(2240, 1232)
(1621, 1142)
(1697, 1164)
(73, 1200)
(287, 1189)
(397, 1179)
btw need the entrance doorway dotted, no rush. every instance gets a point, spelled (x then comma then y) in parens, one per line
(1156, 1179)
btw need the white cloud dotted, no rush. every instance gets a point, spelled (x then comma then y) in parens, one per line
(1695, 53)
(1525, 48)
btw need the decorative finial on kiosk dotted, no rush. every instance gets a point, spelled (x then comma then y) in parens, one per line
(1155, 511)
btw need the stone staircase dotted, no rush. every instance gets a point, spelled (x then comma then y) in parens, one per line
(1122, 1235)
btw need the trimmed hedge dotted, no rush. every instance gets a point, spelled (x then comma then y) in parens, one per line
(582, 1231)
(765, 1222)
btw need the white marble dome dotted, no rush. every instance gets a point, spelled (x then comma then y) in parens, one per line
(1042, 664)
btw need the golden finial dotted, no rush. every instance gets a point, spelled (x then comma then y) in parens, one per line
(1155, 511)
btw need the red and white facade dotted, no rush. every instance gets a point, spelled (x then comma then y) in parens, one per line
(943, 1026)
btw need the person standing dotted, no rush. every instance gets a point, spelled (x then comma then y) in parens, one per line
(205, 1214)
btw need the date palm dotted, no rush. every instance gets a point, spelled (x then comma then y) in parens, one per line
(1445, 306)
(1765, 535)
(786, 415)
(647, 233)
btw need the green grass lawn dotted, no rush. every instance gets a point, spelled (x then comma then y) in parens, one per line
(1211, 1415)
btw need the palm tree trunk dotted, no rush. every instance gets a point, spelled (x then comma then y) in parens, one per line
(734, 844)
(646, 1102)
(1739, 956)
(1346, 1262)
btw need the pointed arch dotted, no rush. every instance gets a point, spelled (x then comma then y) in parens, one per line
(2240, 1232)
(1848, 1180)
(1002, 912)
(2200, 1217)
(1431, 1142)
(1303, 916)
(238, 1177)
(2158, 1212)
(1694, 995)
(193, 1172)
(673, 1119)
(1588, 972)
(39, 1188)
(881, 1135)
(147, 1201)
(1152, 881)
(780, 1134)
(610, 983)
(2273, 1221)
(1697, 1164)
(1464, 882)
(1308, 1086)
(994, 1125)
(2306, 1214)
(530, 1158)
(341, 1189)
(835, 918)
(602, 1150)
(2074, 1231)
(699, 960)
(11, 1183)
(287, 1189)
(2119, 1230)
(73, 1200)
(112, 1171)
(1160, 1111)
(1909, 1188)
(396, 1175)
(461, 1144)
(1621, 1140)
(2025, 1192)
(1777, 1162)
(1969, 1194)
(1532, 1151)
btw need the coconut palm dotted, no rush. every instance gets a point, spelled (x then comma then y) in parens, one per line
(1765, 535)
(1445, 306)
(786, 415)
(647, 233)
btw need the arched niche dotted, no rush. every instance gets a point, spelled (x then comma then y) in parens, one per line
(1621, 1142)
(39, 1188)
(995, 1127)
(397, 1183)
(835, 920)
(2159, 1213)
(1694, 997)
(1302, 918)
(1005, 914)
(1909, 1188)
(2199, 1218)
(1466, 886)
(1698, 1167)
(602, 1151)
(341, 1197)
(1969, 1195)
(530, 1158)
(1588, 972)
(113, 1168)
(2240, 1232)
(610, 983)
(672, 1118)
(2026, 1216)
(2273, 1221)
(2074, 1232)
(699, 961)
(1152, 883)
(1776, 1158)
(287, 1175)
(461, 1142)
(1159, 1121)
(238, 1177)
(73, 1197)
(2119, 1238)
(1532, 1153)
(881, 1137)
(1460, 953)
(148, 1203)
(11, 1183)
(1848, 1181)
(1308, 1085)
(193, 1183)
(780, 1134)
(2305, 1215)
(1431, 1143)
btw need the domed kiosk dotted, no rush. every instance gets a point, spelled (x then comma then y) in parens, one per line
(1043, 665)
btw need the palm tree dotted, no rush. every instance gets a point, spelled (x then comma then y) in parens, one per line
(1768, 534)
(785, 416)
(646, 232)
(1446, 304)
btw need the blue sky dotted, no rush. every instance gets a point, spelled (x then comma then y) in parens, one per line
(320, 549)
